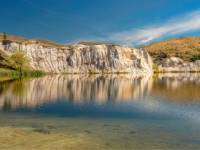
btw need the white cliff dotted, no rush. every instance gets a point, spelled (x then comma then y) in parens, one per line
(83, 58)
(175, 64)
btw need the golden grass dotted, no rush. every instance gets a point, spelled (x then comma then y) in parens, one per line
(185, 48)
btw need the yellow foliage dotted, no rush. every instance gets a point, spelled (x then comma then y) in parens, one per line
(19, 60)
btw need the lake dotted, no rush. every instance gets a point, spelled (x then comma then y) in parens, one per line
(101, 112)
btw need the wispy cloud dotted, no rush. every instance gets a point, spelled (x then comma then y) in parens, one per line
(174, 26)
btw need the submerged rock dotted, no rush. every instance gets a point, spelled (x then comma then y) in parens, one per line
(42, 130)
(84, 58)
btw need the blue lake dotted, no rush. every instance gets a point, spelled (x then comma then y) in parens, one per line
(101, 112)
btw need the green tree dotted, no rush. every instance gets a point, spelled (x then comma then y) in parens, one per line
(19, 61)
(5, 41)
(4, 36)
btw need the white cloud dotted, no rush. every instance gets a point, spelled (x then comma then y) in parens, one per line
(182, 24)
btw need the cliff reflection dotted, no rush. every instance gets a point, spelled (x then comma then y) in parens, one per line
(99, 89)
(75, 88)
(177, 87)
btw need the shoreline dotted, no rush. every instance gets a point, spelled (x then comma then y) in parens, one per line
(8, 74)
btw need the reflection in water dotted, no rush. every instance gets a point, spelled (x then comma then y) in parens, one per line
(108, 112)
(96, 88)
(177, 87)
(76, 88)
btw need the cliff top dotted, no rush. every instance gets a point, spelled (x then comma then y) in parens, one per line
(95, 43)
(20, 39)
(187, 48)
(45, 42)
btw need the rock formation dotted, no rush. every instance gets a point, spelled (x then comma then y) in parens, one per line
(175, 64)
(176, 55)
(83, 57)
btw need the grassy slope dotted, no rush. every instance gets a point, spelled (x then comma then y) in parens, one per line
(185, 48)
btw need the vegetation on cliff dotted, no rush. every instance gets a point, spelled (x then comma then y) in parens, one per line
(16, 66)
(19, 61)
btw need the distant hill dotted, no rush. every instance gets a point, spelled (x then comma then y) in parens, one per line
(187, 48)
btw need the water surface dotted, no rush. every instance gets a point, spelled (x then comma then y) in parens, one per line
(101, 112)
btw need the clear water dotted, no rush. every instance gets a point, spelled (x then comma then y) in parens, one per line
(101, 112)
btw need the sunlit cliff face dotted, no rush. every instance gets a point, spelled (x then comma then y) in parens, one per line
(98, 89)
(83, 58)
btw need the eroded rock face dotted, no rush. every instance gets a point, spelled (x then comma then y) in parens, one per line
(175, 64)
(83, 58)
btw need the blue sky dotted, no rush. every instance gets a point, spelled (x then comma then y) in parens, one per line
(130, 22)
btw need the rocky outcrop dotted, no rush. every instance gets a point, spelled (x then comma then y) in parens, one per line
(175, 64)
(176, 55)
(83, 57)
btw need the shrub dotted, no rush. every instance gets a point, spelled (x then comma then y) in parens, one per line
(33, 73)
(156, 68)
(195, 57)
(19, 61)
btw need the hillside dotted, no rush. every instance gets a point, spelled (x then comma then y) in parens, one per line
(187, 48)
